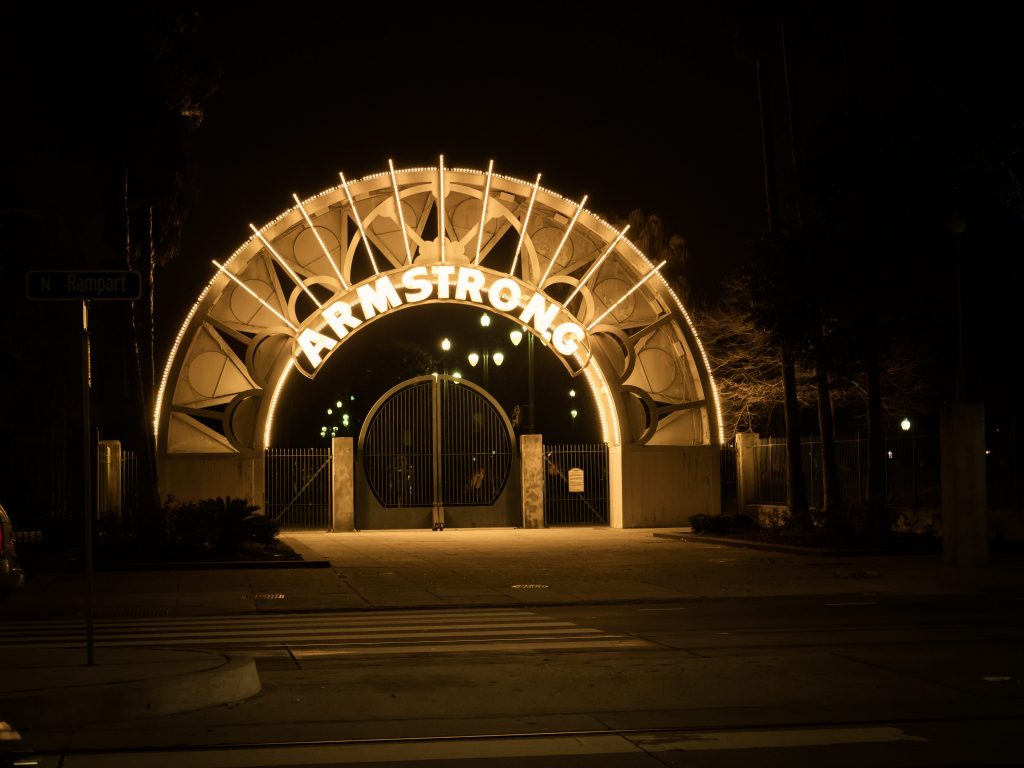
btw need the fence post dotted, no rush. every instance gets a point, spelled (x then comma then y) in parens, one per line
(964, 501)
(108, 481)
(746, 469)
(531, 453)
(342, 485)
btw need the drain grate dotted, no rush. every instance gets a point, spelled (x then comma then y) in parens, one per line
(263, 596)
(135, 613)
(529, 586)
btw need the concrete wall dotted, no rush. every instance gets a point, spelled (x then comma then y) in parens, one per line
(343, 484)
(531, 458)
(191, 477)
(667, 485)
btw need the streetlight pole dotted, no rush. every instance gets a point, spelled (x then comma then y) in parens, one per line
(529, 369)
(908, 426)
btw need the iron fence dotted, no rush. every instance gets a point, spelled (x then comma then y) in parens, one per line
(571, 499)
(912, 470)
(727, 475)
(129, 486)
(437, 440)
(297, 490)
(397, 450)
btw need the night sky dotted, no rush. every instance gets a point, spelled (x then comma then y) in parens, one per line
(635, 109)
(661, 118)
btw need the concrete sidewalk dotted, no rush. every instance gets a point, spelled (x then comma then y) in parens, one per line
(419, 569)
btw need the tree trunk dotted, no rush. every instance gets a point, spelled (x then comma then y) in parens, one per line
(878, 519)
(148, 513)
(796, 491)
(831, 504)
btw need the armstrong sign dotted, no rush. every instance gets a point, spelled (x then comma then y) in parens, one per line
(439, 282)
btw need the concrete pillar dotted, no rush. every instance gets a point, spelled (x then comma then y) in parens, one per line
(964, 500)
(531, 463)
(615, 501)
(343, 484)
(108, 479)
(746, 469)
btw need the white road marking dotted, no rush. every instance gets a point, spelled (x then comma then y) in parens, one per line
(775, 738)
(450, 750)
(337, 634)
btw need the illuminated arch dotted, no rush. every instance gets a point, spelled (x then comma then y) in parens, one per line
(645, 365)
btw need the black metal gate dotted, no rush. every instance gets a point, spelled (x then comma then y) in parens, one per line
(436, 451)
(576, 484)
(297, 490)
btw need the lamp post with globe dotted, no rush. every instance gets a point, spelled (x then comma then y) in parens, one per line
(516, 337)
(497, 356)
(907, 426)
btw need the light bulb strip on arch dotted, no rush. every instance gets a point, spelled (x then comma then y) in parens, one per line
(440, 204)
(626, 295)
(272, 409)
(565, 239)
(401, 215)
(606, 412)
(359, 222)
(522, 228)
(174, 350)
(323, 246)
(595, 266)
(280, 260)
(483, 212)
(252, 293)
(535, 190)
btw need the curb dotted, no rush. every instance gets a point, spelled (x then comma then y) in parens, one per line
(186, 565)
(233, 679)
(215, 565)
(794, 549)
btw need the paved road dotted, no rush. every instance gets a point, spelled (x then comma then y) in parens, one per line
(330, 634)
(797, 681)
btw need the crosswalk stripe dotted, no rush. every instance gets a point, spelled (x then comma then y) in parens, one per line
(272, 631)
(322, 635)
(242, 619)
(190, 640)
(608, 643)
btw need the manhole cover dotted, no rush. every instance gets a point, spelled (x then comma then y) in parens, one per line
(136, 613)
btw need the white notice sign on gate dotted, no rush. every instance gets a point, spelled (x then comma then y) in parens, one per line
(575, 480)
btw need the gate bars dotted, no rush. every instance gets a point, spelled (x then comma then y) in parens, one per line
(437, 442)
(589, 507)
(298, 487)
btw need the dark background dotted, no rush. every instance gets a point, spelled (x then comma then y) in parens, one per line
(220, 116)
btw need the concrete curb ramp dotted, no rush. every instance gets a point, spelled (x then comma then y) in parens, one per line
(124, 684)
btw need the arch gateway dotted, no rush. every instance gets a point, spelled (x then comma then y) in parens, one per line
(347, 259)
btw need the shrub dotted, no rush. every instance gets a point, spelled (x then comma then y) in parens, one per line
(702, 523)
(217, 526)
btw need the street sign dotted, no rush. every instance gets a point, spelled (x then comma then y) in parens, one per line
(83, 285)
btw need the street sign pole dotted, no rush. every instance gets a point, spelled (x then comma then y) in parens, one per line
(85, 285)
(87, 482)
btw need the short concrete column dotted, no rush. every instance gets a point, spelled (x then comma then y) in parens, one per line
(964, 498)
(531, 469)
(108, 479)
(615, 497)
(343, 484)
(746, 469)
